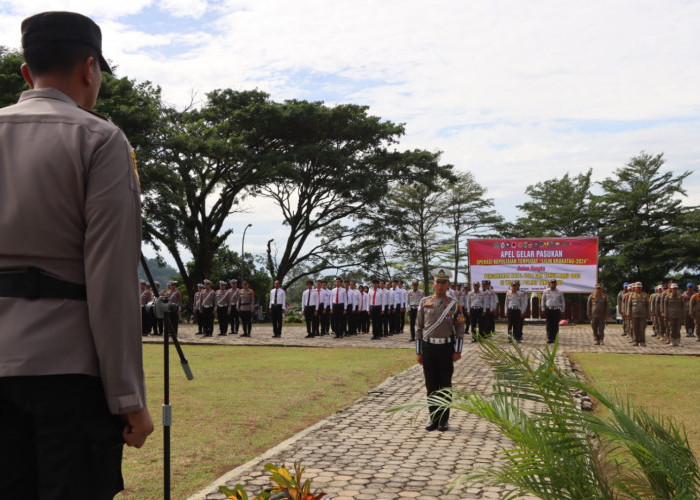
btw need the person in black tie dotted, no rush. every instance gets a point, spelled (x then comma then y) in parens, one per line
(309, 303)
(277, 307)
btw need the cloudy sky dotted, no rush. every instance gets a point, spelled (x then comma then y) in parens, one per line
(515, 91)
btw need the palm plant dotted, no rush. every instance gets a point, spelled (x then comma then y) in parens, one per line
(562, 452)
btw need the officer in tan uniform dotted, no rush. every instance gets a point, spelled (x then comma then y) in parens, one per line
(637, 309)
(516, 304)
(672, 310)
(694, 310)
(597, 309)
(245, 306)
(197, 309)
(688, 320)
(174, 297)
(223, 307)
(145, 299)
(233, 309)
(439, 339)
(71, 372)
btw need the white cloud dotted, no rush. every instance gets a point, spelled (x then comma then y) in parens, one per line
(517, 92)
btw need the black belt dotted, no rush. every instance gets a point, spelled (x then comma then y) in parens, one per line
(34, 284)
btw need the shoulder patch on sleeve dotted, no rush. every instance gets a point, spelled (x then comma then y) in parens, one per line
(133, 164)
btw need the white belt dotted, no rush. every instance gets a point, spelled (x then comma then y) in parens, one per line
(514, 308)
(438, 341)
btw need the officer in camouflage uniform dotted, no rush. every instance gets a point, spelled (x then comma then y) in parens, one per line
(672, 308)
(688, 320)
(439, 339)
(694, 309)
(597, 310)
(637, 309)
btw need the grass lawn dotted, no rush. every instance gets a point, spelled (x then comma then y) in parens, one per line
(660, 384)
(243, 401)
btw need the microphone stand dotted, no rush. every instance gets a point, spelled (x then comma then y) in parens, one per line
(161, 307)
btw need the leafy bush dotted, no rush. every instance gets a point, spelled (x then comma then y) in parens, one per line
(285, 486)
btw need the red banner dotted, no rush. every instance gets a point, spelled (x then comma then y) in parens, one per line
(573, 262)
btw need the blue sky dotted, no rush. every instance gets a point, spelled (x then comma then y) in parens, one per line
(516, 92)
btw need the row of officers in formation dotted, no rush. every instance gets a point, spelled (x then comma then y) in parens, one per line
(349, 309)
(666, 308)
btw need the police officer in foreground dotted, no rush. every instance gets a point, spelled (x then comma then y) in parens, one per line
(71, 373)
(439, 339)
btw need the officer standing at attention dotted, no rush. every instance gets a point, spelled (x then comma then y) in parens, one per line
(439, 338)
(552, 306)
(309, 304)
(157, 323)
(621, 307)
(223, 306)
(174, 297)
(516, 305)
(475, 306)
(377, 307)
(597, 309)
(694, 310)
(245, 306)
(277, 307)
(208, 301)
(72, 386)
(415, 295)
(146, 298)
(197, 308)
(233, 303)
(672, 309)
(688, 320)
(338, 300)
(637, 309)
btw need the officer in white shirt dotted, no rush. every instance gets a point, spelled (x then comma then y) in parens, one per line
(310, 306)
(552, 306)
(516, 304)
(376, 309)
(277, 307)
(338, 304)
(414, 297)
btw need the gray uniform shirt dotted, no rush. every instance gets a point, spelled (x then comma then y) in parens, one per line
(430, 310)
(71, 207)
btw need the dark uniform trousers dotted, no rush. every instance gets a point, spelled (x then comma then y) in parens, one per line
(145, 321)
(44, 454)
(156, 323)
(476, 319)
(221, 314)
(553, 315)
(311, 321)
(276, 316)
(208, 320)
(325, 320)
(438, 368)
(413, 314)
(198, 320)
(246, 322)
(376, 313)
(388, 313)
(351, 323)
(396, 320)
(338, 320)
(515, 320)
(234, 321)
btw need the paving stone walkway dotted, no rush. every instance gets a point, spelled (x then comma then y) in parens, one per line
(364, 453)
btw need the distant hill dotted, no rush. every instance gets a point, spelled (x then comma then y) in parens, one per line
(160, 271)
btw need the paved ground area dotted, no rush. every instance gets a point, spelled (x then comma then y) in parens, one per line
(362, 452)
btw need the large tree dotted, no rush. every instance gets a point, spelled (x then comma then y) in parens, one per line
(557, 208)
(208, 158)
(467, 213)
(332, 161)
(642, 215)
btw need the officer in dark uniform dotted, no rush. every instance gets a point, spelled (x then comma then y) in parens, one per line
(439, 338)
